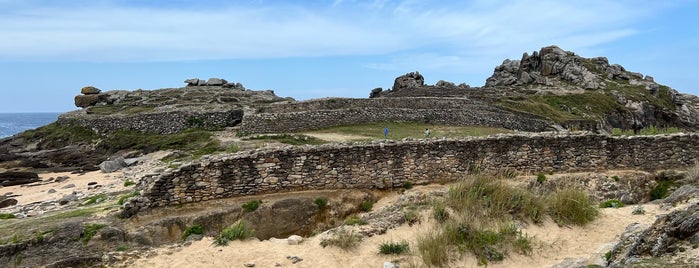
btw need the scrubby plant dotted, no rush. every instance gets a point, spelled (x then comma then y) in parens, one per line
(194, 229)
(366, 206)
(612, 203)
(439, 211)
(237, 231)
(251, 205)
(90, 230)
(394, 248)
(540, 178)
(572, 206)
(94, 199)
(354, 220)
(412, 216)
(5, 216)
(128, 183)
(638, 210)
(321, 202)
(344, 239)
(615, 178)
(408, 185)
(661, 190)
(692, 175)
(122, 248)
(433, 247)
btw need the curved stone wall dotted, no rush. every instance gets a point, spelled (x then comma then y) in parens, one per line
(381, 165)
(154, 122)
(316, 114)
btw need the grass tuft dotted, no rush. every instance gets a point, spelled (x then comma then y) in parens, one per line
(128, 183)
(572, 206)
(251, 205)
(123, 198)
(613, 203)
(321, 202)
(344, 239)
(195, 229)
(237, 231)
(6, 216)
(661, 190)
(394, 248)
(90, 230)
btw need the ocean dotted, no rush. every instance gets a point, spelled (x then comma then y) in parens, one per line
(13, 123)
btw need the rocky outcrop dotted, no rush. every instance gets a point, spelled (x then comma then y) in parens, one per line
(11, 178)
(409, 80)
(216, 82)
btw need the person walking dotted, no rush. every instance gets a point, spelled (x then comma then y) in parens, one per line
(427, 133)
(385, 133)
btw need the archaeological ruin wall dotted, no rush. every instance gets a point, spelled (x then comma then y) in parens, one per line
(387, 164)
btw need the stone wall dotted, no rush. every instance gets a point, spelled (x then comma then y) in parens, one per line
(315, 114)
(167, 122)
(380, 165)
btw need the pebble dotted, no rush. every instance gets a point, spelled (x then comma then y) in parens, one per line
(249, 264)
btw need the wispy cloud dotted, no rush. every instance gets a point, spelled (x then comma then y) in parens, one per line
(115, 31)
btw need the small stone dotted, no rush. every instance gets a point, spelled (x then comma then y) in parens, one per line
(68, 186)
(249, 264)
(294, 240)
(51, 191)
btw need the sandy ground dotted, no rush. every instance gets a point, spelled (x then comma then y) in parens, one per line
(334, 137)
(552, 245)
(39, 191)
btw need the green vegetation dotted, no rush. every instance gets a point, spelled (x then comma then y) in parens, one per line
(196, 141)
(75, 213)
(195, 229)
(54, 135)
(394, 248)
(661, 190)
(401, 130)
(346, 240)
(117, 109)
(651, 130)
(612, 203)
(321, 202)
(411, 215)
(572, 206)
(483, 219)
(615, 178)
(354, 220)
(638, 210)
(122, 248)
(251, 205)
(123, 198)
(90, 230)
(291, 139)
(94, 199)
(366, 206)
(237, 231)
(408, 185)
(128, 183)
(5, 216)
(540, 178)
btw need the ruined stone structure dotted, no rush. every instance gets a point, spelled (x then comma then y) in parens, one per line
(380, 165)
(315, 114)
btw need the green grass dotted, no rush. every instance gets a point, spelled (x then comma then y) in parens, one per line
(128, 183)
(346, 240)
(612, 203)
(572, 206)
(123, 198)
(54, 135)
(90, 230)
(354, 220)
(195, 141)
(394, 248)
(661, 190)
(194, 229)
(366, 206)
(237, 231)
(75, 213)
(94, 199)
(439, 211)
(251, 205)
(291, 139)
(321, 202)
(398, 130)
(6, 216)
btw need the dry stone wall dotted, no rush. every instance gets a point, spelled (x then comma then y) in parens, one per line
(380, 165)
(315, 114)
(168, 122)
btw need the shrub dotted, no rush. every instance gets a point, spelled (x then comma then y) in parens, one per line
(122, 248)
(128, 183)
(366, 206)
(613, 203)
(615, 178)
(433, 248)
(692, 175)
(239, 230)
(408, 185)
(321, 202)
(123, 198)
(661, 190)
(354, 220)
(412, 216)
(572, 206)
(394, 248)
(638, 210)
(195, 229)
(343, 239)
(541, 178)
(90, 230)
(440, 211)
(252, 205)
(5, 216)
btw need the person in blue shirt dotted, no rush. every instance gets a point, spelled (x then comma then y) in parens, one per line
(385, 133)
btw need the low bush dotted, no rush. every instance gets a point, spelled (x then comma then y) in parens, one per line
(408, 185)
(572, 206)
(237, 231)
(195, 229)
(541, 178)
(638, 210)
(394, 248)
(251, 206)
(613, 203)
(354, 220)
(128, 183)
(366, 206)
(5, 216)
(344, 239)
(439, 211)
(661, 190)
(321, 202)
(90, 230)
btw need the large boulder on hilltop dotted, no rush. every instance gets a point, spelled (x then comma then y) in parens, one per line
(90, 90)
(409, 80)
(84, 101)
(192, 82)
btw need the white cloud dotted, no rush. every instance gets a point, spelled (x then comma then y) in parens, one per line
(109, 32)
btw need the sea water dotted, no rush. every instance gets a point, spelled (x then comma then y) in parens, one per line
(13, 123)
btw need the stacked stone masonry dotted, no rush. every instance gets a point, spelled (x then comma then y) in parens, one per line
(160, 122)
(387, 164)
(316, 114)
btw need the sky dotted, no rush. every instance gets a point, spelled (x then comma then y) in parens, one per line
(321, 48)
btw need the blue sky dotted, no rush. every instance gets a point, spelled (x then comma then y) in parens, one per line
(312, 49)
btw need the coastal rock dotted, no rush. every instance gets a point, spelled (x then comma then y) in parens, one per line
(67, 199)
(375, 92)
(216, 82)
(11, 178)
(112, 165)
(409, 80)
(7, 202)
(90, 90)
(84, 101)
(192, 82)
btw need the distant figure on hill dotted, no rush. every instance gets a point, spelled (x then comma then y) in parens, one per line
(385, 133)
(427, 133)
